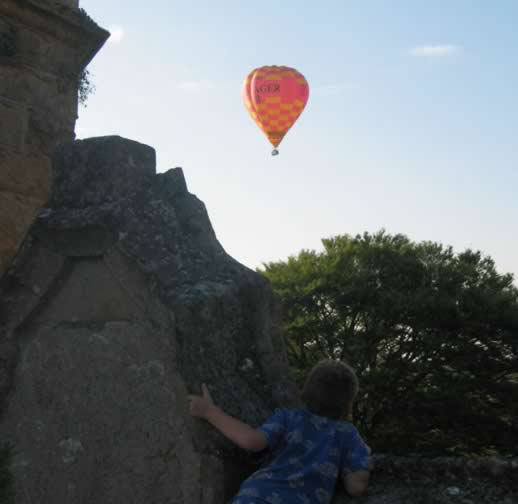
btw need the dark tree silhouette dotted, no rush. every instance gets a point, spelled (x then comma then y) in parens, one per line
(432, 334)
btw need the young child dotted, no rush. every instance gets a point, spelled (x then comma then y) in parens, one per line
(312, 447)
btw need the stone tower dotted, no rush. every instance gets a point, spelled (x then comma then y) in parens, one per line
(44, 47)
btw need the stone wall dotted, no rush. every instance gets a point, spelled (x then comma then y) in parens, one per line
(44, 46)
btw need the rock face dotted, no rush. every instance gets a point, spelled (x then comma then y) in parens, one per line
(120, 303)
(44, 46)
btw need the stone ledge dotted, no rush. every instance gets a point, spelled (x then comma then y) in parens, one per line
(61, 22)
(104, 169)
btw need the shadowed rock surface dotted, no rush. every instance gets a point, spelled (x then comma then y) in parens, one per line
(120, 302)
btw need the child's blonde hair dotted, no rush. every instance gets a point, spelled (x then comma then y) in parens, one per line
(330, 389)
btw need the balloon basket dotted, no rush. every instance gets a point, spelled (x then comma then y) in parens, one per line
(275, 152)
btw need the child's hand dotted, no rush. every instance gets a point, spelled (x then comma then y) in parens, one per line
(200, 406)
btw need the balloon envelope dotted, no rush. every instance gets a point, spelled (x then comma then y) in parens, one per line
(275, 96)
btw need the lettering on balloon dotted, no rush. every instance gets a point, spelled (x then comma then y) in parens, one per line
(268, 88)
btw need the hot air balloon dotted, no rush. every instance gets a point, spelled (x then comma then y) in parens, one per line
(275, 96)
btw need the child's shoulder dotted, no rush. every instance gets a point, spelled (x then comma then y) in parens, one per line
(295, 414)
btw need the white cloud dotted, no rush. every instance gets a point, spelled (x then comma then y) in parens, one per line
(117, 34)
(436, 51)
(194, 85)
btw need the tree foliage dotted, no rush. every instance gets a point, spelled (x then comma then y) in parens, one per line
(85, 87)
(432, 334)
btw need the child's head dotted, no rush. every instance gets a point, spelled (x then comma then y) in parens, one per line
(330, 389)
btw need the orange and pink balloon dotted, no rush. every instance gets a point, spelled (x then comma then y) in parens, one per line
(275, 96)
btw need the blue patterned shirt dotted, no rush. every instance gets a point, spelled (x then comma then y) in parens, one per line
(310, 453)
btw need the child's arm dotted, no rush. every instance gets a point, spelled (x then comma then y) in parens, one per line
(357, 480)
(240, 433)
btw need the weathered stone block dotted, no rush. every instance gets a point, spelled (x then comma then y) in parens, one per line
(45, 130)
(25, 175)
(17, 213)
(70, 3)
(13, 124)
(43, 51)
(67, 3)
(100, 170)
(8, 39)
(101, 400)
(51, 104)
(39, 91)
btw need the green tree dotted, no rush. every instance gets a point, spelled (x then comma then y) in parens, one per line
(432, 334)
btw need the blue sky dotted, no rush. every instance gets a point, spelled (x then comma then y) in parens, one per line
(411, 124)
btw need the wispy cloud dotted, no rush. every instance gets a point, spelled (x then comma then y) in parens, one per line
(194, 85)
(117, 34)
(435, 51)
